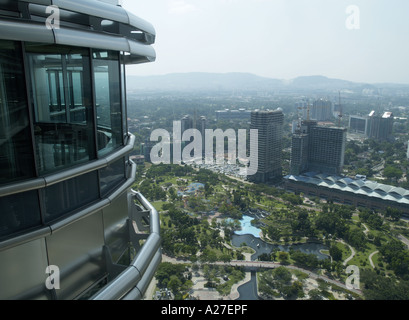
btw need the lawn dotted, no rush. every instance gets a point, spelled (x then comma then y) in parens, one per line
(158, 205)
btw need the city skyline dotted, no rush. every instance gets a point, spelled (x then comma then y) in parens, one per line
(278, 39)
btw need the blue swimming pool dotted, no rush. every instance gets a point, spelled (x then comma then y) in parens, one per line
(247, 228)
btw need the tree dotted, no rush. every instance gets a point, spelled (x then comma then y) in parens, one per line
(391, 172)
(301, 225)
(282, 274)
(395, 253)
(336, 253)
(265, 257)
(292, 198)
(304, 260)
(393, 213)
(283, 257)
(225, 257)
(383, 288)
(240, 256)
(174, 284)
(356, 238)
(315, 294)
(273, 233)
(165, 272)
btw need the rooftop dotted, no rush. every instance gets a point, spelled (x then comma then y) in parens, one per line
(357, 186)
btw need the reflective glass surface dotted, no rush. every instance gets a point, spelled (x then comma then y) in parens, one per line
(111, 176)
(70, 195)
(62, 103)
(16, 155)
(19, 212)
(108, 101)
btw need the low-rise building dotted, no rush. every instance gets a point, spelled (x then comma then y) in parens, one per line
(345, 190)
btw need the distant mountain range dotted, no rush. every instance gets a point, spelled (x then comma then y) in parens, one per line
(201, 81)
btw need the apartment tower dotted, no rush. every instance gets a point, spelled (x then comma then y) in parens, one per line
(269, 124)
(317, 148)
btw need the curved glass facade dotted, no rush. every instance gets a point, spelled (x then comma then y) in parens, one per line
(77, 110)
(16, 150)
(62, 106)
(108, 100)
(65, 175)
(77, 116)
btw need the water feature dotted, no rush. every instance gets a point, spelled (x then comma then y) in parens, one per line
(263, 247)
(248, 291)
(247, 228)
(250, 236)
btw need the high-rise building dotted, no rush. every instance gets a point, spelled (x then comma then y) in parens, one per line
(380, 127)
(317, 148)
(227, 114)
(321, 110)
(269, 124)
(301, 108)
(326, 149)
(71, 227)
(407, 152)
(299, 153)
(358, 124)
(186, 123)
(201, 126)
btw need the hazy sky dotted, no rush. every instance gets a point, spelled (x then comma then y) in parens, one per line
(280, 39)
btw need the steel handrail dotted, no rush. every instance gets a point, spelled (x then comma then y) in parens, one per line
(143, 265)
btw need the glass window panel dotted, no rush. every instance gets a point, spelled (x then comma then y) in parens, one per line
(16, 150)
(70, 195)
(19, 212)
(124, 106)
(112, 176)
(63, 108)
(108, 101)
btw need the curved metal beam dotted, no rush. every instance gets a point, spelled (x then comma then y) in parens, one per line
(133, 281)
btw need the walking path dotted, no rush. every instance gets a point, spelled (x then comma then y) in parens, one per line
(370, 258)
(352, 252)
(264, 264)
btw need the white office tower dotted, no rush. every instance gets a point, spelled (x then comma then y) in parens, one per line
(269, 124)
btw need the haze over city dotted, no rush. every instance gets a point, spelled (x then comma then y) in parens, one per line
(264, 155)
(278, 39)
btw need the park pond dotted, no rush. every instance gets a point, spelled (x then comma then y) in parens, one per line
(250, 236)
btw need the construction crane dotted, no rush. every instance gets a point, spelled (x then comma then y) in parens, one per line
(299, 117)
(340, 109)
(308, 111)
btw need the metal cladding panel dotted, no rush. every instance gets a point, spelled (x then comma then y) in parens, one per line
(142, 50)
(127, 28)
(140, 24)
(94, 8)
(88, 39)
(20, 31)
(115, 226)
(23, 272)
(77, 251)
(106, 11)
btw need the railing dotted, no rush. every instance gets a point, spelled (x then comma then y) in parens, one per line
(132, 282)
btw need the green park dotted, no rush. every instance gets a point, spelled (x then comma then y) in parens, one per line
(200, 210)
